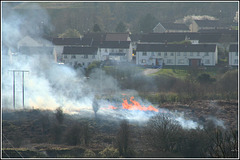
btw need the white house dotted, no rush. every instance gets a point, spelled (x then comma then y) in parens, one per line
(233, 55)
(116, 50)
(59, 44)
(80, 56)
(176, 54)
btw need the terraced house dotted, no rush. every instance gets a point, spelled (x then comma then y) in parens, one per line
(120, 51)
(233, 55)
(80, 56)
(176, 54)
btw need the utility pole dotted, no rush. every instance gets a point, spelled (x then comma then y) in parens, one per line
(21, 71)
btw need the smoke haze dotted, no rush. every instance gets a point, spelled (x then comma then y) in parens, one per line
(49, 85)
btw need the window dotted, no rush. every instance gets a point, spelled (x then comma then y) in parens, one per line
(144, 54)
(181, 61)
(159, 53)
(191, 53)
(85, 56)
(165, 54)
(206, 54)
(65, 56)
(236, 61)
(120, 50)
(171, 54)
(73, 57)
(178, 54)
(93, 57)
(236, 54)
(83, 63)
(152, 54)
(105, 50)
(143, 60)
(185, 53)
(207, 61)
(198, 54)
(112, 50)
(169, 61)
(100, 50)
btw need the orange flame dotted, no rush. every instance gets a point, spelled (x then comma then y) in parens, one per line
(137, 106)
(133, 106)
(110, 107)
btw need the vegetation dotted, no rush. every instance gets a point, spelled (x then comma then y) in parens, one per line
(96, 28)
(121, 27)
(81, 16)
(70, 33)
(83, 137)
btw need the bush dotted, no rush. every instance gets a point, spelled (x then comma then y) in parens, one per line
(162, 132)
(89, 153)
(73, 135)
(109, 152)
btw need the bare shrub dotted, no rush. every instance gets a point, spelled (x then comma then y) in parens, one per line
(109, 152)
(161, 133)
(123, 139)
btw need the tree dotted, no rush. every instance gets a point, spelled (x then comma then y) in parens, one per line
(73, 135)
(70, 33)
(121, 27)
(95, 107)
(123, 138)
(96, 28)
(162, 133)
(147, 23)
(59, 115)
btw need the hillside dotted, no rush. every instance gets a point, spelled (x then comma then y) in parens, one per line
(82, 16)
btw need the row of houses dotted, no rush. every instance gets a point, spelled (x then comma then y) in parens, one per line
(152, 49)
(195, 26)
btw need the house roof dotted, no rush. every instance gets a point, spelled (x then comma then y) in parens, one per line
(208, 37)
(35, 50)
(80, 50)
(112, 44)
(175, 26)
(176, 48)
(135, 37)
(117, 37)
(162, 37)
(71, 41)
(107, 36)
(95, 36)
(208, 23)
(233, 48)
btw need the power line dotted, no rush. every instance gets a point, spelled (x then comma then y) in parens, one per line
(22, 71)
(12, 147)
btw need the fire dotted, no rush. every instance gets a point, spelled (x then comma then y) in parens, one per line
(110, 107)
(137, 106)
(134, 106)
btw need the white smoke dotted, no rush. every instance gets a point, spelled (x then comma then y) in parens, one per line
(190, 18)
(49, 85)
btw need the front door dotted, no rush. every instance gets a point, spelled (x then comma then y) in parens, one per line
(194, 62)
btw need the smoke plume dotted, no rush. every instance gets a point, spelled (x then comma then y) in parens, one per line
(49, 85)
